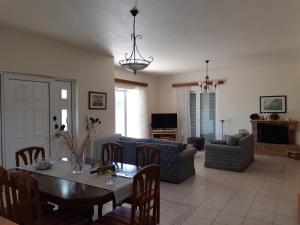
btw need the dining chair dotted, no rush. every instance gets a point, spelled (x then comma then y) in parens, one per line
(112, 152)
(5, 202)
(26, 203)
(144, 196)
(29, 154)
(147, 154)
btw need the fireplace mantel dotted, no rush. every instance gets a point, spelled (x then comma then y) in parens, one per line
(275, 149)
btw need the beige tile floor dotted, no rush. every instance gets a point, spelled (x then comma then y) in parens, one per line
(264, 194)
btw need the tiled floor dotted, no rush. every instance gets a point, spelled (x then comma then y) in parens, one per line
(264, 194)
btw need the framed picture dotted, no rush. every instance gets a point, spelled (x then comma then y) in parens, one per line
(97, 100)
(273, 104)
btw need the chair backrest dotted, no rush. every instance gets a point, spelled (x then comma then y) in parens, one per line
(25, 197)
(112, 152)
(145, 195)
(28, 155)
(146, 155)
(5, 197)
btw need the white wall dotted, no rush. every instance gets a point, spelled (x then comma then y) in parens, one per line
(32, 54)
(151, 90)
(239, 96)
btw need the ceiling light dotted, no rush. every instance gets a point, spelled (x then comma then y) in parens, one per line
(135, 61)
(207, 85)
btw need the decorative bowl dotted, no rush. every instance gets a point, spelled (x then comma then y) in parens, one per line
(43, 164)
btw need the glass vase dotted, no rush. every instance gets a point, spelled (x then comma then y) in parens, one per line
(77, 162)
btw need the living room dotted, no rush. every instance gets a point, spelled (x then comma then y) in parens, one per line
(253, 52)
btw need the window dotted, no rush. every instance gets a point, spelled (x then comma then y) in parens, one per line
(131, 113)
(203, 114)
(64, 94)
(64, 118)
(121, 112)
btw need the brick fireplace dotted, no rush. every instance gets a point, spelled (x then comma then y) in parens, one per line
(274, 137)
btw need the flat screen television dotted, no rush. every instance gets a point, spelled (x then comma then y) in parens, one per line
(164, 121)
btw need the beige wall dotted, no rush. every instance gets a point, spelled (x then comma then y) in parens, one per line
(26, 53)
(151, 90)
(239, 96)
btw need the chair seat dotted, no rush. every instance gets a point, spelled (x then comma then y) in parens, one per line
(119, 216)
(59, 218)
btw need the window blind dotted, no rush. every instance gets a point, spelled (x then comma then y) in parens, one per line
(208, 115)
(193, 114)
(205, 104)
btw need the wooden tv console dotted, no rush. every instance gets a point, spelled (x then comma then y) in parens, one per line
(170, 134)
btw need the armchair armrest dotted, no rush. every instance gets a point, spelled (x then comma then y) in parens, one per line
(185, 164)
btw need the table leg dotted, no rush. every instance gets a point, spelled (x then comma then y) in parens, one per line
(99, 211)
(299, 203)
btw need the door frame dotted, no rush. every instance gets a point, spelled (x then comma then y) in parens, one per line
(5, 76)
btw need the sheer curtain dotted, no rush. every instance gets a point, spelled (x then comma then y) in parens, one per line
(183, 112)
(135, 119)
(137, 116)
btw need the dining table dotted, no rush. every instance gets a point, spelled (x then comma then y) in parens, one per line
(58, 185)
(5, 221)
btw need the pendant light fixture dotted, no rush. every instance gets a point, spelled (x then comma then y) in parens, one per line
(135, 61)
(208, 86)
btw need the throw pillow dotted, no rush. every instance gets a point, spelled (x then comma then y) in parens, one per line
(232, 140)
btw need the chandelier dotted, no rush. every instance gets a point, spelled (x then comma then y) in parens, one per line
(135, 61)
(208, 86)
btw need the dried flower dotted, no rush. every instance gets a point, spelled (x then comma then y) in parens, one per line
(61, 132)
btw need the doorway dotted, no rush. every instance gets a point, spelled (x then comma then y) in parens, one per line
(29, 104)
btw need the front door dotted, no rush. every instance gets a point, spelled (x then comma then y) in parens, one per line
(26, 116)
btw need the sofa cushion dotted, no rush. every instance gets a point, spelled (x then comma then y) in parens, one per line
(181, 146)
(218, 142)
(244, 133)
(232, 140)
(147, 140)
(239, 135)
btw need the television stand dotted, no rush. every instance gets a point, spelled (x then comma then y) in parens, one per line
(168, 134)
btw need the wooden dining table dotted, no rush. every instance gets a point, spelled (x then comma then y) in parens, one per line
(4, 221)
(68, 193)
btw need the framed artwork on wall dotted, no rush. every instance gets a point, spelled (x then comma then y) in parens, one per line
(97, 100)
(273, 104)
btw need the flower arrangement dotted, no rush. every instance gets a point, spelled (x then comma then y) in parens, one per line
(77, 151)
(71, 143)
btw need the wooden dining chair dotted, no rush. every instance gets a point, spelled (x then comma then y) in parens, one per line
(5, 200)
(112, 152)
(144, 201)
(147, 154)
(29, 154)
(26, 203)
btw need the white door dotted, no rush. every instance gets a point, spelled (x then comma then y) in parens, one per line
(26, 116)
(61, 102)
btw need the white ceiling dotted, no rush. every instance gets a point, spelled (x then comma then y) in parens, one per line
(179, 34)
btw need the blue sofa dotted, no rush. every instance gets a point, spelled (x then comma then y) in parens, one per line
(177, 161)
(233, 156)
